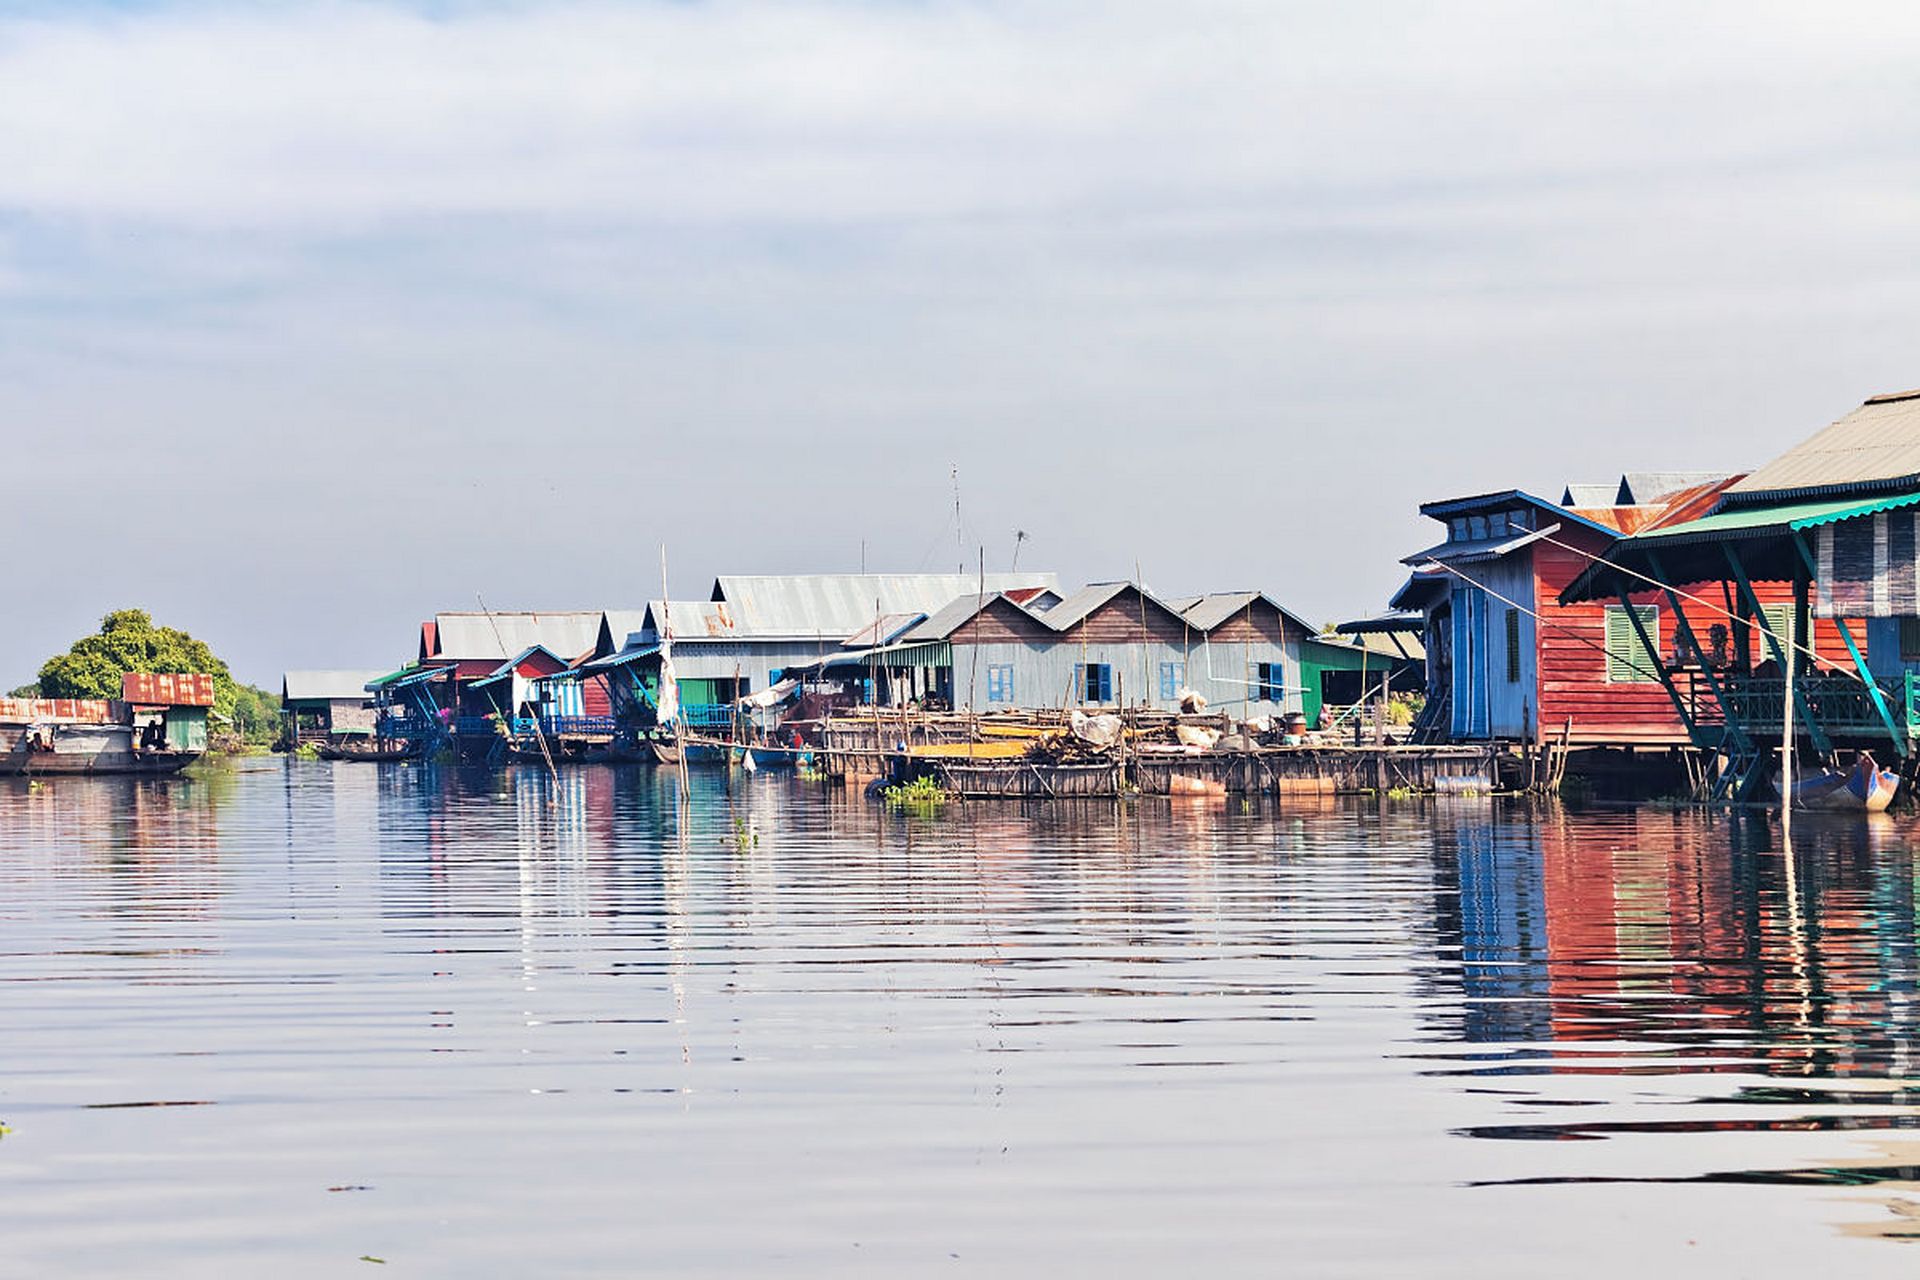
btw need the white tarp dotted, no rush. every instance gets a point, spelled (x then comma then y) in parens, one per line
(771, 696)
(1095, 731)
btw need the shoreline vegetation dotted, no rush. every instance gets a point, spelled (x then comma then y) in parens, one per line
(245, 718)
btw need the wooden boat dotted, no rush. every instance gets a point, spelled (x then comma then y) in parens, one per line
(20, 764)
(49, 750)
(1867, 788)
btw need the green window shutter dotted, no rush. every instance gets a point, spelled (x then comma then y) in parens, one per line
(1628, 661)
(1513, 646)
(1779, 619)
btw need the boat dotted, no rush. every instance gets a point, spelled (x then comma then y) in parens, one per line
(1866, 788)
(159, 727)
(86, 754)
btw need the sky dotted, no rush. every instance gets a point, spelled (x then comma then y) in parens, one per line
(316, 318)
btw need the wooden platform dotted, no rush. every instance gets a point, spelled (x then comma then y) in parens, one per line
(1277, 771)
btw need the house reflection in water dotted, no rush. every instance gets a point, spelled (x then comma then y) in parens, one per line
(1676, 935)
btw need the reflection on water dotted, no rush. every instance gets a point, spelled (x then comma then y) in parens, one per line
(480, 1023)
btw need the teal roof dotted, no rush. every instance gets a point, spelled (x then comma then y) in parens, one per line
(1697, 550)
(1798, 515)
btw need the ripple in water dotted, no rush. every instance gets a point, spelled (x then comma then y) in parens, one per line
(286, 1018)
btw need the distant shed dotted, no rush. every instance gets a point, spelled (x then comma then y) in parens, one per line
(320, 705)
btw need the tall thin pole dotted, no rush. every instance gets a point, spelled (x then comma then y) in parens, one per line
(679, 716)
(1786, 747)
(959, 537)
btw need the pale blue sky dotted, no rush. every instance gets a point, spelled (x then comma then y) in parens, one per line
(315, 318)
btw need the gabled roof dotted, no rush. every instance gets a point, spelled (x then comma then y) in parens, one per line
(1648, 488)
(691, 620)
(1447, 508)
(1421, 589)
(1589, 495)
(885, 628)
(466, 636)
(1394, 646)
(1035, 599)
(1082, 603)
(326, 686)
(617, 627)
(1477, 550)
(942, 623)
(833, 605)
(1875, 449)
(1209, 611)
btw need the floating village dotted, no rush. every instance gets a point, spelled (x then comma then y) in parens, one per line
(1715, 637)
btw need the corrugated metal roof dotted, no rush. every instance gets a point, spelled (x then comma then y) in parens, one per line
(1395, 646)
(1749, 519)
(834, 605)
(1648, 488)
(326, 686)
(632, 653)
(942, 623)
(501, 635)
(933, 654)
(1088, 598)
(1210, 611)
(1398, 623)
(167, 689)
(1421, 589)
(889, 626)
(1449, 507)
(1474, 550)
(1589, 495)
(691, 620)
(617, 628)
(1874, 448)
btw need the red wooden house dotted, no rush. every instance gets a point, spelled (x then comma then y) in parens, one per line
(1508, 662)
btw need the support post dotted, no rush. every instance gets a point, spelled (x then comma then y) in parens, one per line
(1894, 730)
(1685, 627)
(1814, 730)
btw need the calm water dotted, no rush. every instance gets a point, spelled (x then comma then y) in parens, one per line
(482, 1025)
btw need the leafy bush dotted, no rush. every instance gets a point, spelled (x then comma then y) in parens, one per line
(921, 793)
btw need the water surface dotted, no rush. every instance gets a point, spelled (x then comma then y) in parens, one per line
(284, 1019)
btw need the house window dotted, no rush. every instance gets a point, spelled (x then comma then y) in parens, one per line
(1457, 529)
(1779, 620)
(1268, 681)
(1517, 521)
(1173, 677)
(1910, 639)
(1476, 527)
(1096, 682)
(1000, 682)
(1513, 646)
(1628, 661)
(1497, 524)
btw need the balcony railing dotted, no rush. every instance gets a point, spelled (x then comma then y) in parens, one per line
(703, 715)
(566, 726)
(1840, 704)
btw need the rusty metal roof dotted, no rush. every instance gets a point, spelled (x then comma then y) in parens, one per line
(167, 689)
(1874, 449)
(1651, 488)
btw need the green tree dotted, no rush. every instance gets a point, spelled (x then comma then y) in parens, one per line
(128, 641)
